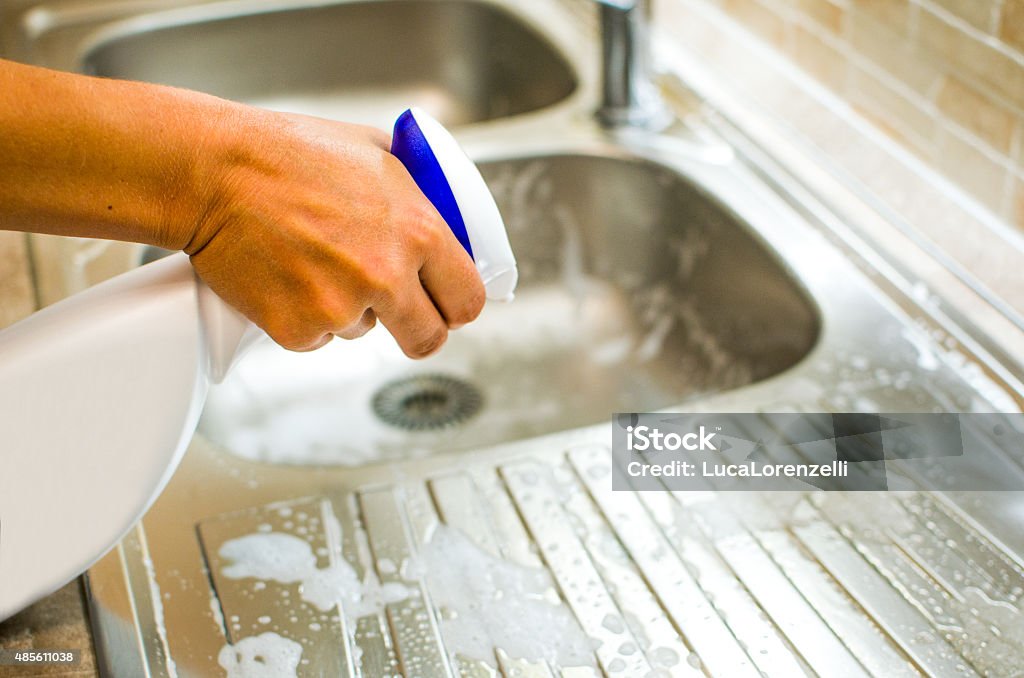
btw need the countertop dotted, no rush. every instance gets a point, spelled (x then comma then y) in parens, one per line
(57, 622)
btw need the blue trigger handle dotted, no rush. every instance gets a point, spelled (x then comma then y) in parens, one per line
(409, 144)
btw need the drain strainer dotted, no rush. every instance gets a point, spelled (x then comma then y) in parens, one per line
(426, 401)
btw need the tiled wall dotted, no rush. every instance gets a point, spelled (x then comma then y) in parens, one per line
(17, 298)
(943, 77)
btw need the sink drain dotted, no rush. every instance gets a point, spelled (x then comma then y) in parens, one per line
(426, 401)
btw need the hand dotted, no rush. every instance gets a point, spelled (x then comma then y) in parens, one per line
(312, 229)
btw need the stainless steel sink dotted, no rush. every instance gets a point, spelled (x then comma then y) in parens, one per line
(656, 274)
(638, 290)
(463, 61)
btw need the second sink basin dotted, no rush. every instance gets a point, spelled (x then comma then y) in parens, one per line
(363, 62)
(638, 291)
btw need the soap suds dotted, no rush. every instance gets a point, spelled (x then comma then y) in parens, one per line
(216, 613)
(288, 559)
(158, 614)
(280, 557)
(325, 588)
(926, 358)
(267, 655)
(486, 602)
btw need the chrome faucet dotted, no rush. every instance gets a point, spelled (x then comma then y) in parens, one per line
(629, 97)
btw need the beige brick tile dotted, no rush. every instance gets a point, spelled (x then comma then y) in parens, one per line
(1011, 24)
(730, 58)
(990, 121)
(1017, 202)
(759, 18)
(64, 266)
(679, 20)
(17, 297)
(903, 116)
(751, 76)
(981, 61)
(788, 102)
(982, 14)
(893, 52)
(1018, 145)
(814, 120)
(908, 139)
(981, 174)
(820, 58)
(895, 13)
(828, 14)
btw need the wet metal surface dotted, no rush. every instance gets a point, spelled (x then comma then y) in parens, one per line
(655, 275)
(352, 61)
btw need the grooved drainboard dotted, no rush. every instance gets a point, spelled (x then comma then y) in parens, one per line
(540, 569)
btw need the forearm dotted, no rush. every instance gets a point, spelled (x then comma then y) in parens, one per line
(106, 159)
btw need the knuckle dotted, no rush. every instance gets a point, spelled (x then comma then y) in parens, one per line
(358, 331)
(369, 321)
(380, 283)
(294, 342)
(313, 344)
(320, 303)
(429, 343)
(383, 293)
(358, 326)
(425, 228)
(471, 308)
(294, 338)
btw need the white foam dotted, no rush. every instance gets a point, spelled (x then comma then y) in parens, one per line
(288, 559)
(215, 611)
(487, 602)
(158, 614)
(274, 555)
(926, 358)
(331, 586)
(267, 655)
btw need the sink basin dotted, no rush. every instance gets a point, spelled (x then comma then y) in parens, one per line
(656, 273)
(463, 61)
(637, 291)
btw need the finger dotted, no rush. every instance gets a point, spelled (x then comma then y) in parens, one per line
(301, 345)
(451, 279)
(323, 341)
(357, 329)
(414, 322)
